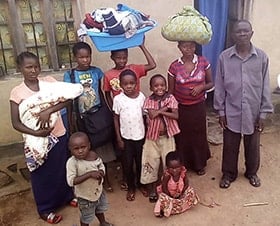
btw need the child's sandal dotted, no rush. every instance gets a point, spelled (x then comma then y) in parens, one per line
(124, 186)
(74, 202)
(130, 196)
(153, 197)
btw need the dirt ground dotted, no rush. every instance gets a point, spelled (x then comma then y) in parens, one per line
(19, 210)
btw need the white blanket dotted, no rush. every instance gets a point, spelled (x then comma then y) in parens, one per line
(36, 148)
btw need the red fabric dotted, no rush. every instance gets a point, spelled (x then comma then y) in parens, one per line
(91, 23)
(112, 82)
(154, 124)
(184, 81)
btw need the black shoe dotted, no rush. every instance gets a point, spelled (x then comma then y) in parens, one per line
(225, 182)
(254, 180)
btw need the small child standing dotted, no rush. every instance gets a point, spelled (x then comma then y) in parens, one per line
(85, 172)
(111, 84)
(130, 129)
(175, 194)
(161, 127)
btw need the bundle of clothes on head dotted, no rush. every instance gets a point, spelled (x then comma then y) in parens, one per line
(122, 20)
(187, 25)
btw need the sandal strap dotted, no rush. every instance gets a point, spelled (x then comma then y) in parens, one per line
(51, 216)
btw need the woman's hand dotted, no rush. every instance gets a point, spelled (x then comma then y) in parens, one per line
(197, 90)
(42, 132)
(44, 119)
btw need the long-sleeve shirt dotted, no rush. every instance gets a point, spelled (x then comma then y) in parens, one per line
(242, 91)
(91, 188)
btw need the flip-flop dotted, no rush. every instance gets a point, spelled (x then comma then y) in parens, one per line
(124, 186)
(144, 191)
(130, 196)
(51, 218)
(254, 180)
(74, 202)
(153, 197)
(108, 189)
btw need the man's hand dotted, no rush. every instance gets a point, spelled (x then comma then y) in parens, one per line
(259, 125)
(223, 122)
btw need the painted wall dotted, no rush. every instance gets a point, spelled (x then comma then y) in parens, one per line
(267, 33)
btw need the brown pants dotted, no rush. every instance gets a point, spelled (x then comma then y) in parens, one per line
(231, 151)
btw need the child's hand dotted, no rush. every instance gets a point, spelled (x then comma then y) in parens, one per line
(163, 109)
(101, 173)
(120, 144)
(96, 175)
(153, 113)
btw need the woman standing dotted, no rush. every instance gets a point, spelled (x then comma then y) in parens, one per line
(188, 79)
(48, 173)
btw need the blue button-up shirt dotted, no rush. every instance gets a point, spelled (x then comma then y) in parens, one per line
(242, 91)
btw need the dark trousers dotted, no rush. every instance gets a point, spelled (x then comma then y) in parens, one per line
(133, 154)
(231, 151)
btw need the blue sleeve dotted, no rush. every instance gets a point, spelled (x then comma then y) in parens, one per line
(66, 77)
(100, 73)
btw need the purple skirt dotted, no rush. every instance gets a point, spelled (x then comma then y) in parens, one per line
(49, 185)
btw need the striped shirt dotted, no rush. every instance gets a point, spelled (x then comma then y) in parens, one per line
(184, 81)
(154, 124)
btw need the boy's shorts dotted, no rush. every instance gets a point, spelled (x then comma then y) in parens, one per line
(153, 153)
(88, 208)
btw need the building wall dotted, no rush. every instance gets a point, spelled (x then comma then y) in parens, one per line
(164, 52)
(266, 33)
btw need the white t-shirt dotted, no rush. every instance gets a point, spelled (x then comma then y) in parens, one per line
(131, 115)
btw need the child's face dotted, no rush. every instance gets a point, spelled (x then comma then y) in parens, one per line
(80, 147)
(128, 84)
(174, 168)
(120, 59)
(83, 58)
(30, 69)
(158, 86)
